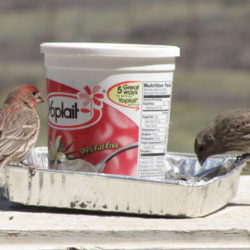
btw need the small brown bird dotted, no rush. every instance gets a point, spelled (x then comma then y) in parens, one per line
(19, 124)
(230, 131)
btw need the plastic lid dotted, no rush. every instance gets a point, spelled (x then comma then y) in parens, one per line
(111, 49)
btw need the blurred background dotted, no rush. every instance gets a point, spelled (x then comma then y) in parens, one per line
(212, 74)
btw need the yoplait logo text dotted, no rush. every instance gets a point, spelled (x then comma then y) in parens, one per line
(63, 112)
(73, 111)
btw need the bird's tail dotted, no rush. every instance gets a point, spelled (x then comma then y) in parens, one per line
(3, 168)
(3, 162)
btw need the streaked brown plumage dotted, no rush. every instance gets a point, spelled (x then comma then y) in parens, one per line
(19, 124)
(230, 131)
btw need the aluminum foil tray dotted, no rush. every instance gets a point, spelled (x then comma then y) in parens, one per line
(187, 189)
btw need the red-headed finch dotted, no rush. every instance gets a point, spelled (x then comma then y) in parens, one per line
(230, 131)
(19, 124)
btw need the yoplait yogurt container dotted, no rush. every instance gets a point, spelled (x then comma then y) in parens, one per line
(109, 107)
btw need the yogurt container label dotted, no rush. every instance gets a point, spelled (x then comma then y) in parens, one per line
(108, 121)
(95, 121)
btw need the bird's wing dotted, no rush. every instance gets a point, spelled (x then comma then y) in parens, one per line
(239, 121)
(15, 130)
(233, 128)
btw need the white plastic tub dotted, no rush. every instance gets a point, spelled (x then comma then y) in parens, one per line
(109, 106)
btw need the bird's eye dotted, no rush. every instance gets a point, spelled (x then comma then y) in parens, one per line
(34, 93)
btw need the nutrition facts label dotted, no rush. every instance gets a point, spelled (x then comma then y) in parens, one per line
(155, 109)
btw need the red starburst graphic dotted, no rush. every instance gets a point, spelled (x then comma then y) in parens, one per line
(92, 99)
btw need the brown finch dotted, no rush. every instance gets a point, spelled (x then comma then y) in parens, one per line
(19, 124)
(230, 131)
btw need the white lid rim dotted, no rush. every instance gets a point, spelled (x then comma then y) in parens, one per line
(111, 49)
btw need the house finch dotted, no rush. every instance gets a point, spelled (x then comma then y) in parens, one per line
(19, 124)
(230, 131)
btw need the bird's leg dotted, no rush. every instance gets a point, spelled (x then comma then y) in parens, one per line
(242, 157)
(31, 169)
(246, 156)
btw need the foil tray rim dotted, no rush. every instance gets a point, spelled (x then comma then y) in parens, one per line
(238, 167)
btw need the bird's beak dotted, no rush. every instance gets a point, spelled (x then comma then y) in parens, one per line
(39, 99)
(201, 159)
